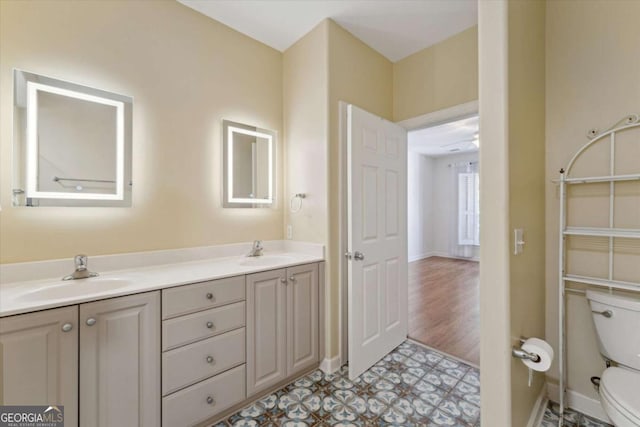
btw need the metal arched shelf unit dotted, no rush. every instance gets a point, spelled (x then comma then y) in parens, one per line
(628, 123)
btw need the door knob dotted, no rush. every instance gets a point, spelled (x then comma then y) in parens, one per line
(357, 255)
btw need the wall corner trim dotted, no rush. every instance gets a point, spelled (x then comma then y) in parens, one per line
(330, 366)
(535, 419)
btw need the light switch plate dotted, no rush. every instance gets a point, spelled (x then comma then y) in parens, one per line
(518, 246)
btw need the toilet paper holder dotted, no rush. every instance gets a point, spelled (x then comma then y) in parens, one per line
(519, 353)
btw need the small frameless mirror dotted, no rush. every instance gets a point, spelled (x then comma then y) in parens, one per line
(248, 172)
(72, 144)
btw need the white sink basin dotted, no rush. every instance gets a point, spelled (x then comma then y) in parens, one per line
(266, 260)
(74, 288)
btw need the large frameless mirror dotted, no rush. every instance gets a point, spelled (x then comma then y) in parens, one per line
(249, 156)
(72, 144)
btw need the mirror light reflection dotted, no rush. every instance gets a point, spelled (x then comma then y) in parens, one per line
(249, 164)
(72, 144)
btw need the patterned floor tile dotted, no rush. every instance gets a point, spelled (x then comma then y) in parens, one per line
(571, 418)
(411, 386)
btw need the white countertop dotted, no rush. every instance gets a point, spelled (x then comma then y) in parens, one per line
(27, 296)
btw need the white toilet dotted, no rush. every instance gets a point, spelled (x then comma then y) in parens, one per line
(617, 321)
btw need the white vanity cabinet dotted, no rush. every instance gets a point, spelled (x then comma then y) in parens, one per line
(173, 356)
(282, 325)
(39, 360)
(108, 350)
(120, 361)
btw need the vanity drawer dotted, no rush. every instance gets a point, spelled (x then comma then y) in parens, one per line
(204, 324)
(201, 296)
(194, 362)
(205, 399)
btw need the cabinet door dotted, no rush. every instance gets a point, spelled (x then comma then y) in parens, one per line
(120, 361)
(302, 317)
(39, 360)
(266, 330)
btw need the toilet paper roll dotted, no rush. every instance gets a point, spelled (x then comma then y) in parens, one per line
(542, 349)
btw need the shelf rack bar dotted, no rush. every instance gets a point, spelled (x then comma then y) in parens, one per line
(628, 233)
(595, 281)
(606, 178)
(561, 298)
(612, 192)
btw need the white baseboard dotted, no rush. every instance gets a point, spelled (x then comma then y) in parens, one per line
(579, 402)
(535, 419)
(441, 255)
(446, 255)
(418, 257)
(450, 356)
(329, 366)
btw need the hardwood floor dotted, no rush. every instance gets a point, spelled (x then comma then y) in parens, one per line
(444, 306)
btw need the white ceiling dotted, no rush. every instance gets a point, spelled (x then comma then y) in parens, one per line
(449, 138)
(395, 28)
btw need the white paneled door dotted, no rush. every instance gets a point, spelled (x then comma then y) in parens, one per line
(377, 238)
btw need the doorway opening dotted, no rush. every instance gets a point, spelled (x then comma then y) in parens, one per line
(443, 237)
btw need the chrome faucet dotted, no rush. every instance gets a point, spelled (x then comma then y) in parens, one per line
(82, 271)
(256, 249)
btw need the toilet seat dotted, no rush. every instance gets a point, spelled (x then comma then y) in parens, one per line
(620, 396)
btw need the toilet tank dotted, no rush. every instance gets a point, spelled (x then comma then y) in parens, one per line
(618, 335)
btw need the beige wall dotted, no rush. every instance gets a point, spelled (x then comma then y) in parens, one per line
(361, 76)
(305, 102)
(495, 336)
(593, 64)
(306, 132)
(441, 76)
(511, 36)
(526, 93)
(186, 73)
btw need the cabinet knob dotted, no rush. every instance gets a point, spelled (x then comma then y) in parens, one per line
(209, 296)
(67, 327)
(292, 278)
(210, 400)
(209, 359)
(210, 325)
(283, 281)
(91, 321)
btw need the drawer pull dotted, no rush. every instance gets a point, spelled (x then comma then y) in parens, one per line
(210, 296)
(210, 400)
(210, 359)
(210, 325)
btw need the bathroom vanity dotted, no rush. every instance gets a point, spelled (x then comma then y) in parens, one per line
(175, 351)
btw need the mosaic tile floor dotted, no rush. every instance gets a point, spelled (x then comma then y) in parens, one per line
(411, 386)
(571, 418)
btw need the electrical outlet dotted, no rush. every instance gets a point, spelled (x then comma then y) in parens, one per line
(289, 231)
